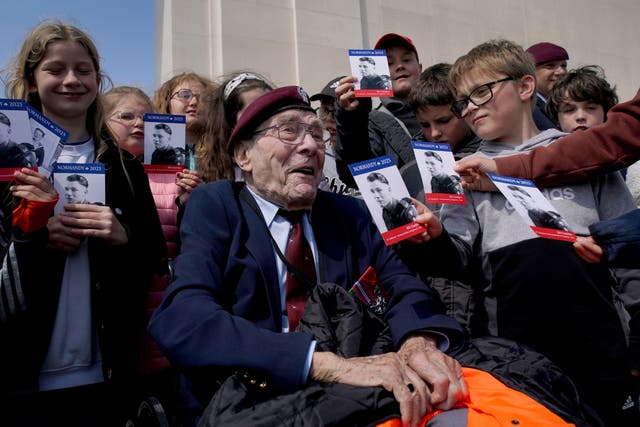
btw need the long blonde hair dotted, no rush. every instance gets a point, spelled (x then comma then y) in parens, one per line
(21, 77)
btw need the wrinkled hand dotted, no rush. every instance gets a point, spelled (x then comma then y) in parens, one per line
(31, 185)
(187, 181)
(79, 221)
(441, 372)
(431, 223)
(346, 93)
(474, 170)
(385, 370)
(588, 249)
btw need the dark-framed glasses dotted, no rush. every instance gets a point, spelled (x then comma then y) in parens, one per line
(127, 117)
(479, 96)
(185, 95)
(293, 133)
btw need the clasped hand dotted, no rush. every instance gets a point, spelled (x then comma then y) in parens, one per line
(421, 377)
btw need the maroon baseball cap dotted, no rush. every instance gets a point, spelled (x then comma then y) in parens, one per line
(269, 104)
(393, 39)
(545, 52)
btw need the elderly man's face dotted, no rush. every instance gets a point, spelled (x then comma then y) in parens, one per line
(285, 174)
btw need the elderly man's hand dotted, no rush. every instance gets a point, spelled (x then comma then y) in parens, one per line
(473, 171)
(421, 379)
(441, 372)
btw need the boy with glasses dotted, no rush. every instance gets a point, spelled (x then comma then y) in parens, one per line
(539, 291)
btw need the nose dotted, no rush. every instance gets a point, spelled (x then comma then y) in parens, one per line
(194, 99)
(138, 121)
(560, 69)
(469, 109)
(71, 78)
(436, 134)
(308, 144)
(580, 115)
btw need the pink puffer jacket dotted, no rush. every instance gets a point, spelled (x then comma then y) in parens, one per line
(165, 191)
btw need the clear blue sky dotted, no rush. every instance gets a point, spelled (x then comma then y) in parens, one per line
(123, 30)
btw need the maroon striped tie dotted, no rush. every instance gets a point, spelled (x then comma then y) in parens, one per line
(302, 276)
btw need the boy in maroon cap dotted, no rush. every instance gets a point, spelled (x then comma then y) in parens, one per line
(364, 133)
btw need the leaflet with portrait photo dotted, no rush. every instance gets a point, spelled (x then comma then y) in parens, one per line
(81, 183)
(441, 183)
(372, 70)
(534, 208)
(387, 198)
(16, 150)
(47, 139)
(164, 143)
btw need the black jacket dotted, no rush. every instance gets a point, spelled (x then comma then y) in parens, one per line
(119, 277)
(342, 325)
(364, 134)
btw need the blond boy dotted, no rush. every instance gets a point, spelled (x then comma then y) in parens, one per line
(539, 291)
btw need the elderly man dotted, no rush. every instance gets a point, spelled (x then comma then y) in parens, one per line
(551, 64)
(233, 302)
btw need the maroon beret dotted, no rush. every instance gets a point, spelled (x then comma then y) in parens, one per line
(545, 52)
(269, 104)
(393, 39)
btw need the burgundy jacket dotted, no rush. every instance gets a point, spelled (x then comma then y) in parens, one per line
(610, 146)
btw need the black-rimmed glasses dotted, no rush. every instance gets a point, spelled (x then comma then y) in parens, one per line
(479, 96)
(293, 133)
(185, 95)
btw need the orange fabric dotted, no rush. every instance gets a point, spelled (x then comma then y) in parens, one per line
(491, 403)
(32, 215)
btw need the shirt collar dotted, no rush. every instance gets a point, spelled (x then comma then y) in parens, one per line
(269, 209)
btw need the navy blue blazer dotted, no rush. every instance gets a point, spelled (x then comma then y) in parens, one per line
(223, 308)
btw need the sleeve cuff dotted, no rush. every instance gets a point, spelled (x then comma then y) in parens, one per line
(307, 363)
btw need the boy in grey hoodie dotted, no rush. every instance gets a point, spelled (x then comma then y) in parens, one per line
(539, 291)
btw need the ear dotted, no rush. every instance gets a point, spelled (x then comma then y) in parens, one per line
(527, 87)
(242, 155)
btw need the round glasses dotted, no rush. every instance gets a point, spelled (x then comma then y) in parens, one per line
(185, 95)
(293, 133)
(127, 117)
(479, 96)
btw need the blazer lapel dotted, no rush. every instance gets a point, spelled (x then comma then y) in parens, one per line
(260, 247)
